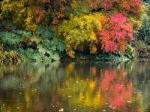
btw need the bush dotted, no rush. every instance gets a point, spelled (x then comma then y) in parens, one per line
(9, 57)
(147, 1)
(143, 50)
(115, 34)
(91, 26)
(80, 30)
(43, 45)
(144, 32)
(10, 39)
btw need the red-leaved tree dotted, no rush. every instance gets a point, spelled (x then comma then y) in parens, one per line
(115, 34)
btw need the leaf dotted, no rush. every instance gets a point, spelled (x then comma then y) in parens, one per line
(44, 32)
(10, 38)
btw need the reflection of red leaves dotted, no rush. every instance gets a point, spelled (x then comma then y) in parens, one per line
(117, 34)
(120, 93)
(115, 89)
(108, 77)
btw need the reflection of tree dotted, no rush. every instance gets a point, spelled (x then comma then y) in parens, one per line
(30, 87)
(28, 73)
(81, 87)
(81, 92)
(108, 89)
(115, 89)
(141, 80)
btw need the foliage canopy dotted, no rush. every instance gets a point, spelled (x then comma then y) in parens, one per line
(92, 26)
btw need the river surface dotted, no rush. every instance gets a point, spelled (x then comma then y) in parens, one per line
(75, 87)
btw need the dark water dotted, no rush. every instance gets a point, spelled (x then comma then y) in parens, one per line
(75, 87)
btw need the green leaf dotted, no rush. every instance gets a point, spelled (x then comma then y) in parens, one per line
(44, 32)
(9, 38)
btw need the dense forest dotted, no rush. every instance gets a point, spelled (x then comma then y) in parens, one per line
(49, 30)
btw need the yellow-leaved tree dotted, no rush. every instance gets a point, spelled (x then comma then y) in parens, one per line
(79, 31)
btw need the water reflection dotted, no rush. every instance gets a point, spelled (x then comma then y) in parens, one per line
(74, 87)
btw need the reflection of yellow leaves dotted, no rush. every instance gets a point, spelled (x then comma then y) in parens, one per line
(27, 98)
(83, 93)
(98, 99)
(93, 70)
(81, 97)
(70, 68)
(91, 85)
(92, 100)
(138, 98)
(88, 100)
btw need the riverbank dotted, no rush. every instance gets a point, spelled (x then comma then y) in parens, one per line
(142, 54)
(142, 49)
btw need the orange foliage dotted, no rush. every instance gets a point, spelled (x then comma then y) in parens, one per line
(39, 14)
(123, 5)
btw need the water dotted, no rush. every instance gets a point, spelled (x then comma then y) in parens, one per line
(75, 87)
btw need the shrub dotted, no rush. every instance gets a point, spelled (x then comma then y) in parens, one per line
(116, 33)
(9, 57)
(85, 25)
(43, 45)
(10, 39)
(144, 32)
(24, 13)
(80, 30)
(148, 1)
(129, 6)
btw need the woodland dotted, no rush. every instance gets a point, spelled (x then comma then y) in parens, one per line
(51, 30)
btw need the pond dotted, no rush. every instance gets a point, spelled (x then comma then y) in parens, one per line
(75, 87)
